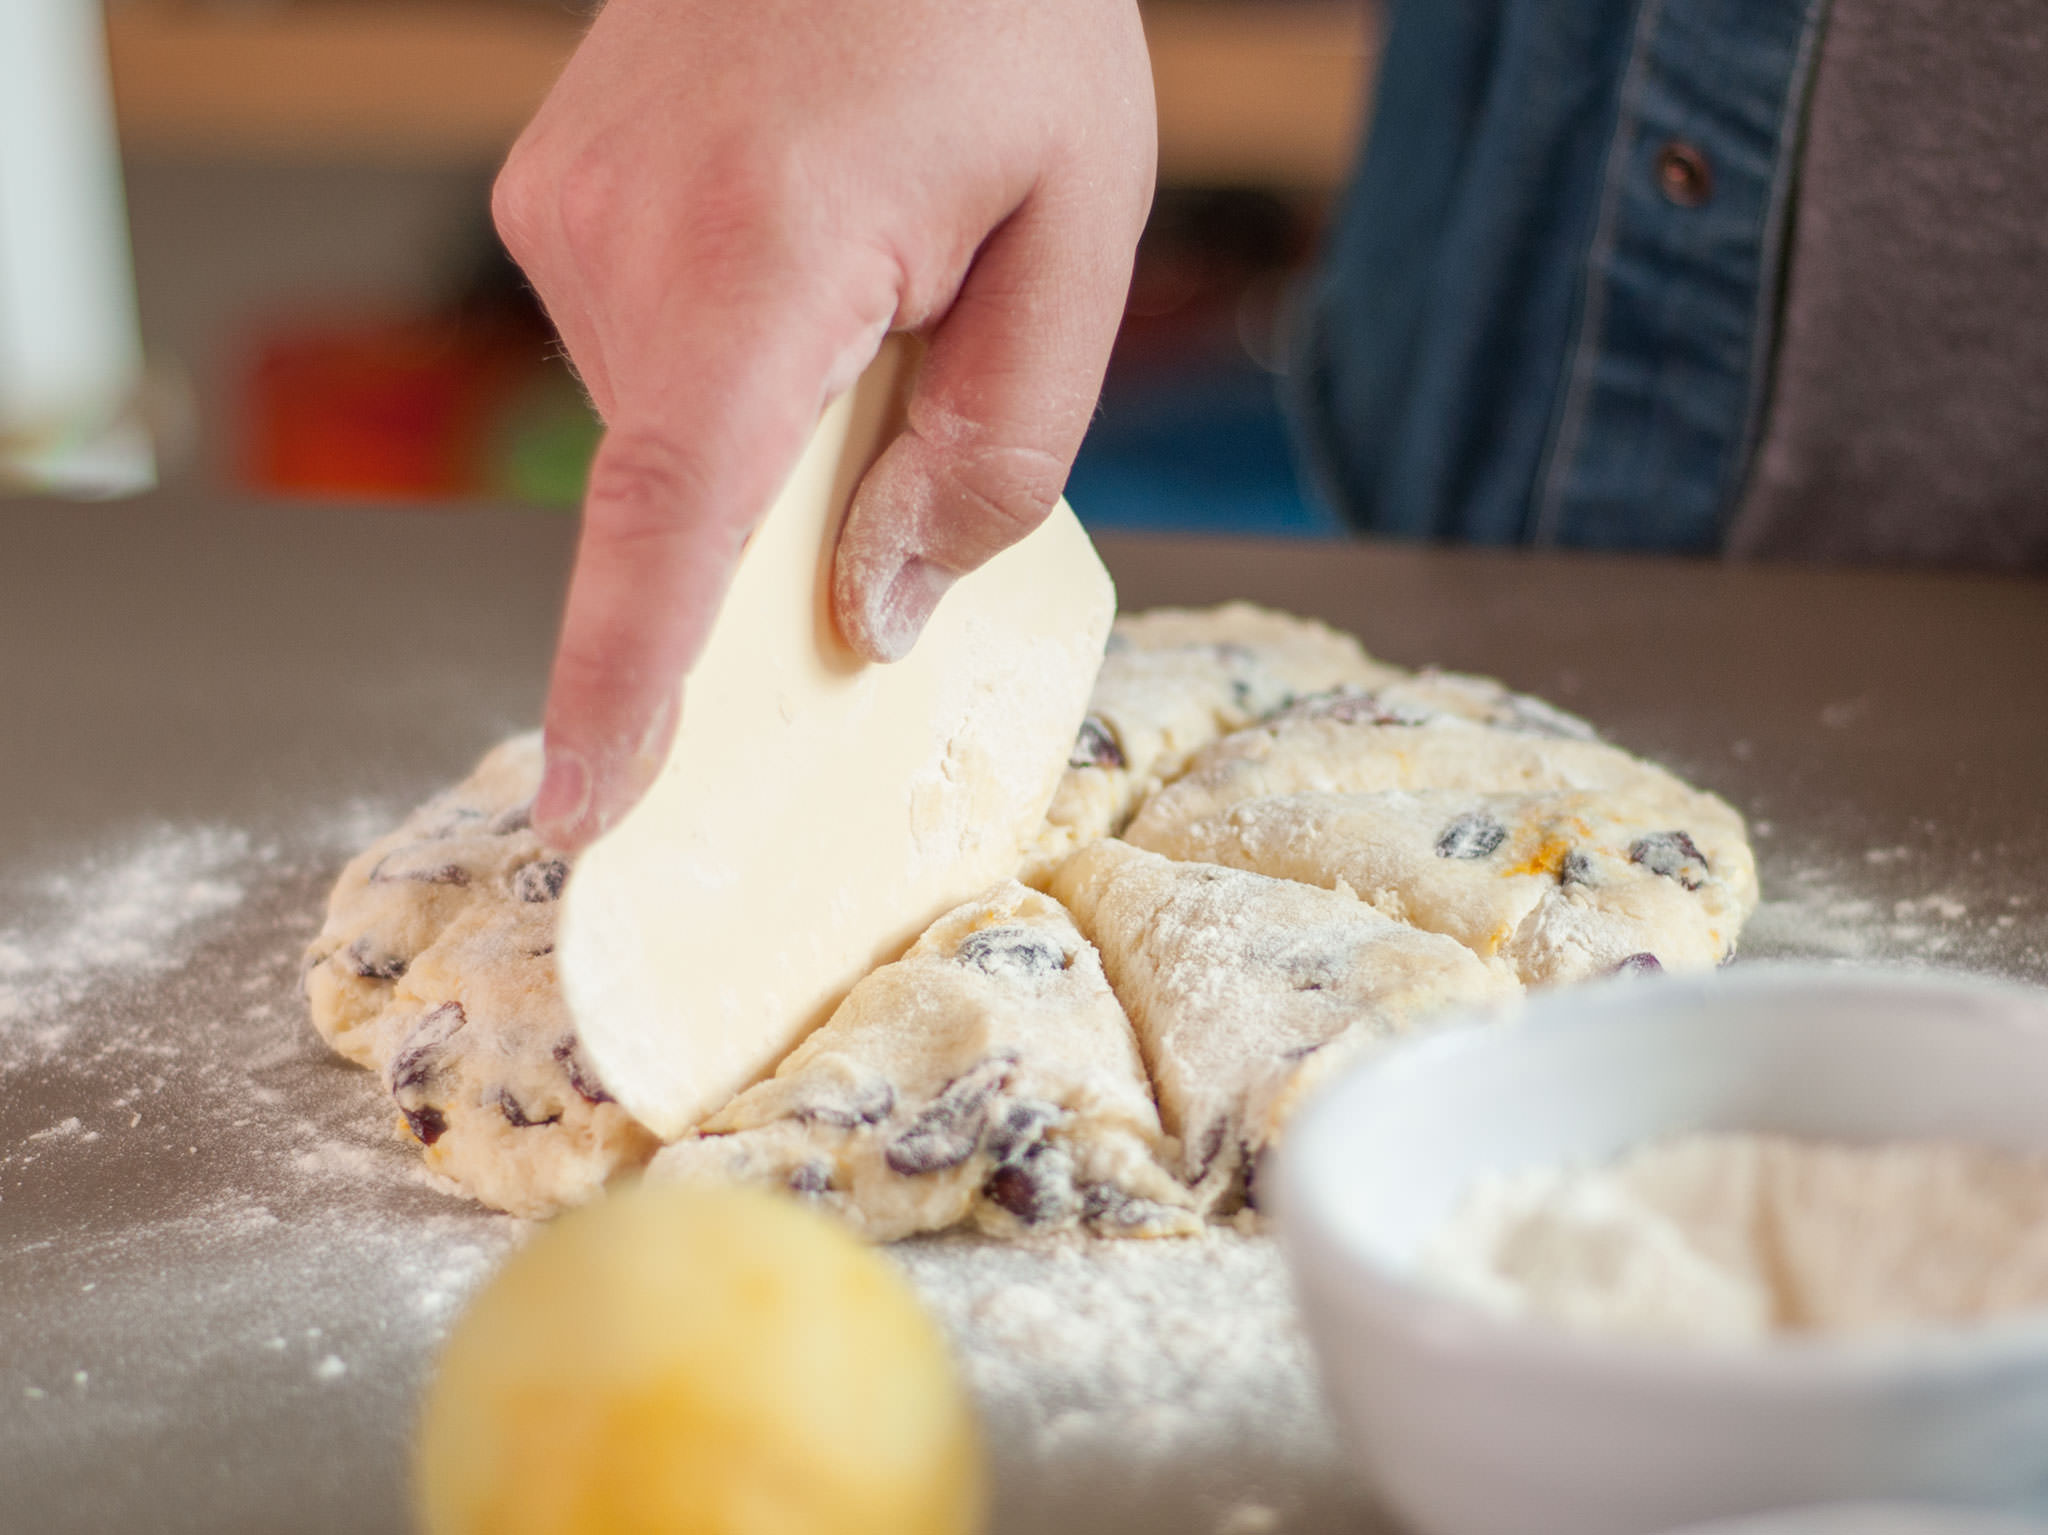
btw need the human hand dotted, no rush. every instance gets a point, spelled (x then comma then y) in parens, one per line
(725, 207)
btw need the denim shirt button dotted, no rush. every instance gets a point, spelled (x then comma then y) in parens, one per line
(1684, 175)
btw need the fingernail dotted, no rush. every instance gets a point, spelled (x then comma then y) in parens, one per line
(906, 605)
(564, 798)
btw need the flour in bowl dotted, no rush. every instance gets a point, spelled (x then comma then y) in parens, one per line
(1733, 1237)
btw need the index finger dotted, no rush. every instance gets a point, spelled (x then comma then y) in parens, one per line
(687, 467)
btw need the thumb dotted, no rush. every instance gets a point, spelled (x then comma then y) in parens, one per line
(679, 481)
(1009, 382)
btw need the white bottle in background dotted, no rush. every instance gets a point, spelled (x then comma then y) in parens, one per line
(71, 419)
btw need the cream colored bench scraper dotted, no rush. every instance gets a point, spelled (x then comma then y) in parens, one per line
(815, 812)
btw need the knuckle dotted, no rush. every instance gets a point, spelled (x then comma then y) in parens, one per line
(548, 203)
(640, 485)
(516, 204)
(739, 219)
(1009, 491)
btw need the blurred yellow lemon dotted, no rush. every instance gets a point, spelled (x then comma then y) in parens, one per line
(697, 1362)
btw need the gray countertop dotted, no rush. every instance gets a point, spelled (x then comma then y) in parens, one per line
(219, 1283)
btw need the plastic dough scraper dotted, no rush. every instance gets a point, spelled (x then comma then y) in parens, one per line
(815, 812)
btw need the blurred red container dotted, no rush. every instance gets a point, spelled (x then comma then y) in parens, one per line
(386, 410)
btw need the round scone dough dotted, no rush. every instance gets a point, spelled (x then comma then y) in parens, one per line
(1274, 853)
(1172, 681)
(1504, 825)
(1237, 981)
(435, 970)
(988, 1075)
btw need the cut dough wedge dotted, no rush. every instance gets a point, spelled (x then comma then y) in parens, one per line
(1554, 887)
(1235, 981)
(1442, 757)
(988, 1075)
(1172, 681)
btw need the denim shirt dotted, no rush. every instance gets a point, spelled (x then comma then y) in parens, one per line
(1545, 314)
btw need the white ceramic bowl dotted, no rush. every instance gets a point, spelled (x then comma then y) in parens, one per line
(1471, 1424)
(1872, 1519)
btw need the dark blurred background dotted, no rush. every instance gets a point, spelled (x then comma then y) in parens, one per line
(327, 314)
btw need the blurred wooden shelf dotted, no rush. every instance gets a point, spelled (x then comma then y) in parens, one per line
(1264, 94)
(1267, 93)
(335, 80)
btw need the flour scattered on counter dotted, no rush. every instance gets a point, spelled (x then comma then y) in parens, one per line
(114, 916)
(1200, 1325)
(1945, 908)
(353, 1163)
(1819, 913)
(1107, 1364)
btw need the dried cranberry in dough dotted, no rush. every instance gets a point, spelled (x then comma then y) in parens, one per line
(1095, 747)
(1671, 854)
(541, 880)
(1012, 951)
(568, 1055)
(868, 1104)
(1037, 1188)
(419, 1057)
(1473, 835)
(427, 1123)
(948, 1131)
(428, 865)
(366, 961)
(810, 1178)
(519, 1119)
